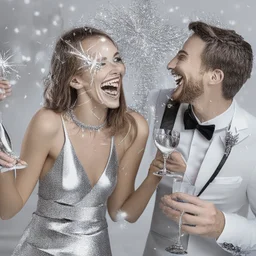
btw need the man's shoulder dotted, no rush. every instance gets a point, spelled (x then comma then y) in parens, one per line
(250, 118)
(246, 122)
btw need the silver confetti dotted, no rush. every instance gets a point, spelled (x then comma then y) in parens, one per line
(144, 40)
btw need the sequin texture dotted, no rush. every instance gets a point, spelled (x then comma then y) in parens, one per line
(70, 216)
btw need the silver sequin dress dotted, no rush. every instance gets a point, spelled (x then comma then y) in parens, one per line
(70, 216)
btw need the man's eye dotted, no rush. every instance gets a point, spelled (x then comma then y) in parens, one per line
(181, 57)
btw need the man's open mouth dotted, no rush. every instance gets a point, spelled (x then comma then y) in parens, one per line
(178, 78)
(111, 87)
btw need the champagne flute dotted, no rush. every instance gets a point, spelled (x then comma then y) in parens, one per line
(5, 146)
(184, 187)
(166, 141)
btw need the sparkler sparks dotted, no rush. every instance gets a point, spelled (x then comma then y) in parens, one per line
(93, 63)
(7, 67)
(144, 39)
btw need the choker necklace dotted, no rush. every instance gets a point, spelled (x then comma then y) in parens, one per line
(82, 125)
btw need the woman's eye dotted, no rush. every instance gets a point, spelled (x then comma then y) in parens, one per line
(103, 64)
(118, 59)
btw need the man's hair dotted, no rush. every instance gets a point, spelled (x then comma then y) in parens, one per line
(227, 51)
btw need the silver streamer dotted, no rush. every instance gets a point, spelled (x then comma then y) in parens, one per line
(144, 40)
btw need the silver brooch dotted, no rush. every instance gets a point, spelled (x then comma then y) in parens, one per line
(234, 250)
(230, 141)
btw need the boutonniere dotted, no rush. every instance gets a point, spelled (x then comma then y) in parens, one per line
(230, 141)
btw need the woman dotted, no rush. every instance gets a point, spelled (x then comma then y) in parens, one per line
(84, 148)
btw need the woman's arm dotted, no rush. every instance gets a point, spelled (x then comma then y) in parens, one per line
(124, 198)
(36, 145)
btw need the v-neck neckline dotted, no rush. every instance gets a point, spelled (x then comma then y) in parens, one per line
(80, 164)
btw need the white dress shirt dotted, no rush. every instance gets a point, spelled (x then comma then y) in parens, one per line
(193, 145)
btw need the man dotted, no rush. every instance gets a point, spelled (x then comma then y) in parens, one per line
(5, 91)
(218, 142)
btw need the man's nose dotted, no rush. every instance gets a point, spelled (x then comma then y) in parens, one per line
(172, 64)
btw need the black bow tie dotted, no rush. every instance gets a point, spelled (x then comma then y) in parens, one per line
(190, 122)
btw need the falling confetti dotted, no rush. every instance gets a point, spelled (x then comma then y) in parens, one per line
(144, 40)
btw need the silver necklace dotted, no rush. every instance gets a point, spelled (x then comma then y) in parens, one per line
(85, 126)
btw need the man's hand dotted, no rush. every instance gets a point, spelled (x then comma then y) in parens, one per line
(203, 217)
(5, 89)
(174, 163)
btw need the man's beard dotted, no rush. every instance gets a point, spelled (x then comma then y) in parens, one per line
(191, 90)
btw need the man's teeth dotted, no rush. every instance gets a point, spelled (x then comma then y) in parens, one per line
(177, 77)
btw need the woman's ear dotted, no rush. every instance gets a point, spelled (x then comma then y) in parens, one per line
(76, 83)
(216, 76)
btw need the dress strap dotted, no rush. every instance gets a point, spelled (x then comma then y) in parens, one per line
(64, 128)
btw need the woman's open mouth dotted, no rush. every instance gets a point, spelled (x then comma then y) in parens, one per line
(111, 87)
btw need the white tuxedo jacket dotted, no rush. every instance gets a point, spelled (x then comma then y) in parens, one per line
(233, 191)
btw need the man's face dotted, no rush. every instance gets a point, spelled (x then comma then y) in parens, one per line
(187, 71)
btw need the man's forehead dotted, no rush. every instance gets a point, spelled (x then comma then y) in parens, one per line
(194, 44)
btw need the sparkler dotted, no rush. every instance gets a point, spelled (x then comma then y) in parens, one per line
(92, 63)
(7, 67)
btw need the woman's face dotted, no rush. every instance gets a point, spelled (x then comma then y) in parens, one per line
(103, 81)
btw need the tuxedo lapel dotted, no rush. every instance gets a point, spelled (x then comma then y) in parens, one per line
(217, 148)
(179, 124)
(239, 125)
(211, 161)
(163, 97)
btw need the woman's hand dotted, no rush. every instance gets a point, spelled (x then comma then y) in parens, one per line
(5, 89)
(6, 161)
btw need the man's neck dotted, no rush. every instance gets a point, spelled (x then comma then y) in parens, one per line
(207, 110)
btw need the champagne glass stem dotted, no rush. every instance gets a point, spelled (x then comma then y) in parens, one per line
(165, 156)
(180, 224)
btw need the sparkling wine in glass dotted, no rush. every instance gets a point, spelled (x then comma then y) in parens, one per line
(166, 141)
(5, 146)
(180, 186)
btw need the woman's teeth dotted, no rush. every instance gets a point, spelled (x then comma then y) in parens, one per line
(110, 87)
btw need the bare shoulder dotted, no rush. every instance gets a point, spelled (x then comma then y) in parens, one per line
(141, 125)
(45, 122)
